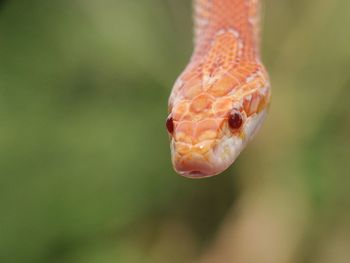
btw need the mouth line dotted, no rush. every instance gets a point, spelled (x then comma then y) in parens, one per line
(195, 174)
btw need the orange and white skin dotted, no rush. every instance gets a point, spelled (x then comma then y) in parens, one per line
(220, 100)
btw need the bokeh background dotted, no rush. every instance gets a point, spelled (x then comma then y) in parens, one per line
(85, 173)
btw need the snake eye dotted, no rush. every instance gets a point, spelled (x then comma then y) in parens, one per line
(235, 120)
(170, 124)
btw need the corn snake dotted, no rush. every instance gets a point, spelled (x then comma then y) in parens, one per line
(220, 100)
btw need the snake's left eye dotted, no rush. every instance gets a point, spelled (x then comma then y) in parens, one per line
(170, 124)
(235, 120)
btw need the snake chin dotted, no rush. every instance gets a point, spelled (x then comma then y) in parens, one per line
(222, 154)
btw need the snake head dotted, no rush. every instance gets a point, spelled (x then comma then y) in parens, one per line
(208, 133)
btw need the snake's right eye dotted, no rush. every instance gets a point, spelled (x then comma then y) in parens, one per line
(235, 120)
(170, 124)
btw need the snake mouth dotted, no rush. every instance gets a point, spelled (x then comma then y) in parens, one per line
(195, 165)
(195, 174)
(192, 165)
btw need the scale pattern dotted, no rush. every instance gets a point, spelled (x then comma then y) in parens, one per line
(224, 73)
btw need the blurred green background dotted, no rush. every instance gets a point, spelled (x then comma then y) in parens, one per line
(85, 172)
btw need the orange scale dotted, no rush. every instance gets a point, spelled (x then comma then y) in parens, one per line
(184, 131)
(257, 83)
(262, 104)
(201, 103)
(246, 105)
(209, 114)
(245, 87)
(222, 107)
(254, 104)
(182, 148)
(187, 117)
(208, 127)
(206, 69)
(190, 74)
(240, 76)
(192, 89)
(180, 110)
(262, 82)
(244, 70)
(223, 86)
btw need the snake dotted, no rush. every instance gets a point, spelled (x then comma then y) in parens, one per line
(219, 102)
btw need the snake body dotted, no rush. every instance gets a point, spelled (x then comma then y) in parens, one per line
(220, 100)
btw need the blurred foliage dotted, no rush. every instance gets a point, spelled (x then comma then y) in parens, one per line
(85, 173)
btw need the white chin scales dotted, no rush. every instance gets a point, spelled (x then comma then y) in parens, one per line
(229, 147)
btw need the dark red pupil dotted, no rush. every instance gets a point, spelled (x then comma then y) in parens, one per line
(170, 124)
(235, 120)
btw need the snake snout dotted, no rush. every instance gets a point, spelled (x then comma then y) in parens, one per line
(193, 165)
(196, 160)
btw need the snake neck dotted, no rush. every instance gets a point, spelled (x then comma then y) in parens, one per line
(236, 18)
